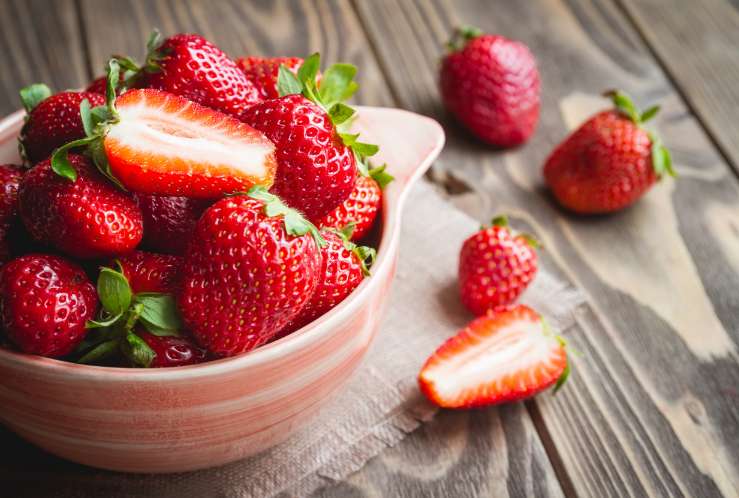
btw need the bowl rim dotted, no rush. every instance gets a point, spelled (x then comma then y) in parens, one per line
(392, 209)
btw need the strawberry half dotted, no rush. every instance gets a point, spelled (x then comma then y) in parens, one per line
(505, 356)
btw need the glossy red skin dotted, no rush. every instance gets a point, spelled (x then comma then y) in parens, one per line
(196, 69)
(603, 166)
(315, 170)
(263, 72)
(361, 208)
(54, 122)
(244, 277)
(169, 221)
(45, 302)
(151, 272)
(173, 351)
(341, 273)
(87, 218)
(495, 267)
(492, 86)
(10, 176)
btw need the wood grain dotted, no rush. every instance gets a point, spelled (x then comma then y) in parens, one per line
(651, 408)
(698, 45)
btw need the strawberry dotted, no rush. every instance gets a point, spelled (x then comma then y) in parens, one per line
(609, 162)
(491, 85)
(316, 164)
(85, 218)
(250, 268)
(100, 85)
(495, 267)
(52, 120)
(507, 355)
(343, 267)
(190, 66)
(173, 351)
(10, 176)
(169, 221)
(263, 72)
(45, 302)
(151, 272)
(361, 207)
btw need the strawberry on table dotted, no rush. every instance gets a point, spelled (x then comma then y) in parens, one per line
(491, 85)
(151, 272)
(173, 351)
(317, 167)
(169, 221)
(45, 302)
(85, 218)
(495, 266)
(609, 162)
(52, 120)
(251, 267)
(263, 72)
(10, 177)
(507, 355)
(361, 207)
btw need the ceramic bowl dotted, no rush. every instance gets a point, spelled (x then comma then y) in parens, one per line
(187, 418)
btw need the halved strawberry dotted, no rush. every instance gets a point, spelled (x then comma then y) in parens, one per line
(505, 356)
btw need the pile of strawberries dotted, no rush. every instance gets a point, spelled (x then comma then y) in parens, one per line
(215, 203)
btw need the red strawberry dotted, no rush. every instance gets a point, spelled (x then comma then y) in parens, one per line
(343, 268)
(151, 272)
(45, 302)
(169, 221)
(491, 85)
(10, 176)
(250, 268)
(263, 72)
(52, 121)
(190, 66)
(609, 162)
(495, 267)
(85, 218)
(505, 356)
(361, 207)
(173, 351)
(99, 85)
(166, 145)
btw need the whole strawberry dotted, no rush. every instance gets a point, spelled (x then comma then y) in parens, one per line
(85, 218)
(151, 272)
(263, 72)
(361, 207)
(45, 303)
(52, 120)
(169, 221)
(495, 267)
(190, 66)
(10, 176)
(343, 267)
(251, 267)
(609, 162)
(316, 165)
(491, 85)
(173, 351)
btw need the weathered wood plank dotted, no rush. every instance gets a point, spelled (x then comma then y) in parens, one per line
(39, 43)
(652, 406)
(698, 44)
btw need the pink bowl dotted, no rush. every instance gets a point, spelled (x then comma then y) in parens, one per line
(187, 418)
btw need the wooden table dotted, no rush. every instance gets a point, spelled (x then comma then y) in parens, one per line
(653, 405)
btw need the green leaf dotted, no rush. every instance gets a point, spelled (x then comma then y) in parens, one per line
(159, 314)
(348, 230)
(155, 40)
(112, 84)
(100, 352)
(500, 221)
(309, 70)
(60, 161)
(562, 378)
(365, 149)
(382, 177)
(349, 139)
(137, 351)
(461, 36)
(114, 292)
(624, 104)
(287, 82)
(362, 164)
(295, 223)
(100, 114)
(649, 113)
(336, 84)
(126, 63)
(97, 152)
(103, 322)
(86, 115)
(33, 95)
(366, 256)
(340, 112)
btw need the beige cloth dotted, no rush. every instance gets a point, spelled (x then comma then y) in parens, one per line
(381, 403)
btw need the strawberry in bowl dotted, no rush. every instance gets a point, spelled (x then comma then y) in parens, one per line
(203, 329)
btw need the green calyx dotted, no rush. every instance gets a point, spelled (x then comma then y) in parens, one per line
(113, 332)
(461, 36)
(661, 159)
(366, 255)
(337, 85)
(135, 72)
(377, 173)
(502, 221)
(295, 223)
(33, 95)
(547, 331)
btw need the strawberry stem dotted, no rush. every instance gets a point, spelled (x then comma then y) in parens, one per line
(294, 222)
(461, 36)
